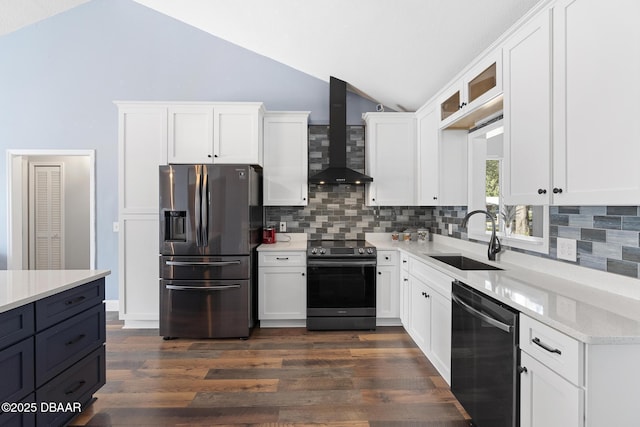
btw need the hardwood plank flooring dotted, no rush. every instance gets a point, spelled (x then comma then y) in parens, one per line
(278, 377)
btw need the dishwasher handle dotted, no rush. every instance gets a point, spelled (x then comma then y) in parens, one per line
(490, 320)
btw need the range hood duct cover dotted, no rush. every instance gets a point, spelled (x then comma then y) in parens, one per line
(338, 172)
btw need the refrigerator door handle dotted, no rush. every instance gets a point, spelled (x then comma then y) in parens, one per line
(210, 263)
(202, 288)
(198, 206)
(204, 200)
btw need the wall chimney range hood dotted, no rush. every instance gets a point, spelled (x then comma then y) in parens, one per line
(338, 172)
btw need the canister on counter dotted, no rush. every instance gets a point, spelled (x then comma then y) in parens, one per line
(395, 235)
(406, 236)
(423, 235)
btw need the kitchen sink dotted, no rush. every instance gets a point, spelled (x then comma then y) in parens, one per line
(463, 263)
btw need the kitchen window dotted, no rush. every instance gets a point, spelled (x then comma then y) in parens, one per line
(519, 226)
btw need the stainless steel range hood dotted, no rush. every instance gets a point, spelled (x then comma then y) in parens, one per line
(338, 172)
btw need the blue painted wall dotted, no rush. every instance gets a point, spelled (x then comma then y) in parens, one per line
(59, 78)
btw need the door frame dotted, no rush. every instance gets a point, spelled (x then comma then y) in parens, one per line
(17, 171)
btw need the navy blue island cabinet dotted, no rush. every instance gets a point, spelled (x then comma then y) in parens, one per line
(52, 356)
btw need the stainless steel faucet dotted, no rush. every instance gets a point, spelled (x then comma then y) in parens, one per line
(494, 243)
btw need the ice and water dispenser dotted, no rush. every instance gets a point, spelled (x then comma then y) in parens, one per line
(175, 226)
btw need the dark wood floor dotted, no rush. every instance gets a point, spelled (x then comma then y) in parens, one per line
(289, 377)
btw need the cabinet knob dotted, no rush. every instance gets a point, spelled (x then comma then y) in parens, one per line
(303, 274)
(209, 155)
(380, 273)
(522, 369)
(435, 197)
(405, 279)
(304, 198)
(387, 258)
(462, 105)
(557, 190)
(542, 191)
(215, 155)
(424, 294)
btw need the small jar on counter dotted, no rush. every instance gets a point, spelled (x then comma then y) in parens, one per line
(406, 236)
(423, 235)
(395, 236)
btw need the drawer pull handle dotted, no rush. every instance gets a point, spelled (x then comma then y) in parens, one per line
(282, 258)
(75, 300)
(539, 343)
(75, 340)
(77, 387)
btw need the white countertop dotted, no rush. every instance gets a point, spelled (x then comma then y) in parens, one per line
(286, 242)
(589, 314)
(20, 287)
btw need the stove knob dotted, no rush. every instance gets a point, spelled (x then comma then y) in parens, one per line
(323, 251)
(313, 251)
(369, 251)
(361, 250)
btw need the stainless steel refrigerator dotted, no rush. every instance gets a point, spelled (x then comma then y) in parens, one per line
(210, 226)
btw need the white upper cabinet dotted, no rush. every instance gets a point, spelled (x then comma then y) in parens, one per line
(479, 85)
(596, 131)
(285, 174)
(190, 134)
(527, 113)
(238, 133)
(215, 133)
(142, 148)
(390, 158)
(442, 161)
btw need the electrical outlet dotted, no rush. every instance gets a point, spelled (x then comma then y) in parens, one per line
(567, 249)
(450, 229)
(116, 227)
(283, 227)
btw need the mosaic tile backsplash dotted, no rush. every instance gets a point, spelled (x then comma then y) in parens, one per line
(339, 211)
(608, 236)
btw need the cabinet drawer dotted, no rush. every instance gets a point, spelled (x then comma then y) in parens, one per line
(437, 280)
(73, 386)
(387, 258)
(59, 307)
(272, 259)
(16, 324)
(23, 418)
(554, 349)
(62, 345)
(16, 368)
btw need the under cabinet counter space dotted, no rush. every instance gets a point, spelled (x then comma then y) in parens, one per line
(286, 242)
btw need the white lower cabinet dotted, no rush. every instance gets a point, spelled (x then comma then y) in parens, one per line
(546, 398)
(387, 289)
(404, 289)
(282, 289)
(429, 318)
(551, 382)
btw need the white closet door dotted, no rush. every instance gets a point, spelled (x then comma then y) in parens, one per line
(46, 217)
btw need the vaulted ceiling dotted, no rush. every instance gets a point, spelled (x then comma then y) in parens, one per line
(398, 53)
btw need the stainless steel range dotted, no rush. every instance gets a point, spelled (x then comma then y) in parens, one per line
(341, 285)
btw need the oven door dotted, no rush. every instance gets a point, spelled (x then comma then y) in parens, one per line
(341, 287)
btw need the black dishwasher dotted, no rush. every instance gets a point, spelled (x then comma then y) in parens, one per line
(484, 357)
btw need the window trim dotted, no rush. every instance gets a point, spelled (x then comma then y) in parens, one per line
(475, 228)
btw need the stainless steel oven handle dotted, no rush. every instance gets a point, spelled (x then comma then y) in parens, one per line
(201, 288)
(209, 263)
(490, 320)
(330, 263)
